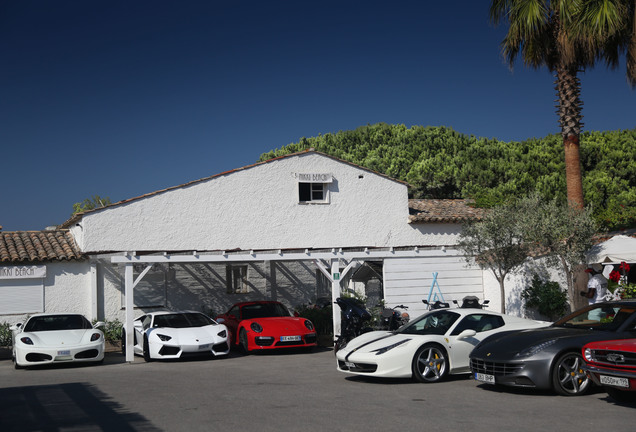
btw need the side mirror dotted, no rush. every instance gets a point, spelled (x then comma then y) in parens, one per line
(220, 320)
(15, 327)
(466, 334)
(99, 324)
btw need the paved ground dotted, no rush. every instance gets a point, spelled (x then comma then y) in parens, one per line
(278, 392)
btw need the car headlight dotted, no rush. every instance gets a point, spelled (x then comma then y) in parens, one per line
(588, 355)
(164, 338)
(309, 325)
(26, 340)
(95, 336)
(390, 347)
(256, 327)
(534, 349)
(222, 333)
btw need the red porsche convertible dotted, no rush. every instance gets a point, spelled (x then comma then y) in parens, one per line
(263, 325)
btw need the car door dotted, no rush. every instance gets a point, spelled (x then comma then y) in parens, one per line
(483, 324)
(138, 328)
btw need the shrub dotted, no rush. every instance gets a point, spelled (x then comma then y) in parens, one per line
(546, 297)
(322, 318)
(112, 330)
(6, 338)
(628, 291)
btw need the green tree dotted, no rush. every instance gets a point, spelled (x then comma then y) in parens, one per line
(495, 243)
(568, 36)
(90, 203)
(559, 232)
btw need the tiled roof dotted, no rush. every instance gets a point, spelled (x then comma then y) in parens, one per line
(37, 246)
(443, 210)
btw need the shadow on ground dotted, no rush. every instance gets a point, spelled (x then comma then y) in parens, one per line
(75, 406)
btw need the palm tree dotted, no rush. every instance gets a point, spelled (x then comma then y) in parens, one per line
(568, 36)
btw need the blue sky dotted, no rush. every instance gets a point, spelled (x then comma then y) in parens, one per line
(121, 98)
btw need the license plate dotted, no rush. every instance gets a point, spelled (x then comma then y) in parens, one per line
(614, 381)
(350, 365)
(205, 347)
(290, 338)
(64, 353)
(485, 378)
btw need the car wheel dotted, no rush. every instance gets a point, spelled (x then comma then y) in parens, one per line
(621, 395)
(146, 350)
(568, 379)
(429, 364)
(243, 345)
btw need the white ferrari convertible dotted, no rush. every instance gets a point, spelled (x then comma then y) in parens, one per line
(172, 335)
(56, 338)
(428, 348)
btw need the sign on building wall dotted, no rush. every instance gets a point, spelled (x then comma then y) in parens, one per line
(23, 272)
(314, 177)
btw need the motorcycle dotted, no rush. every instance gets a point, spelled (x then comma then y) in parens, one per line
(436, 305)
(471, 302)
(352, 322)
(392, 319)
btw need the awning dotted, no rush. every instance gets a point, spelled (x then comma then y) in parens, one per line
(615, 250)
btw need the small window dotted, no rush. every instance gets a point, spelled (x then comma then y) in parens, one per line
(237, 279)
(312, 192)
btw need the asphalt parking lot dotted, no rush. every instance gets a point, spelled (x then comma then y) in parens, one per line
(278, 392)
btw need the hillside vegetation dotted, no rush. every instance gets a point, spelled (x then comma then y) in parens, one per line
(440, 163)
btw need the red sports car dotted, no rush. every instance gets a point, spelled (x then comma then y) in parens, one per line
(262, 325)
(612, 364)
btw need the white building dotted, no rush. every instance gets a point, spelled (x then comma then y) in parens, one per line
(293, 229)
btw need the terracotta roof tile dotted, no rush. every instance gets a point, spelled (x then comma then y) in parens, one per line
(443, 210)
(37, 246)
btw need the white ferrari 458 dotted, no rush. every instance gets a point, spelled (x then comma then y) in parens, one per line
(171, 335)
(428, 348)
(56, 338)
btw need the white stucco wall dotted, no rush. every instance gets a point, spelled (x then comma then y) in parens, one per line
(515, 283)
(66, 290)
(258, 208)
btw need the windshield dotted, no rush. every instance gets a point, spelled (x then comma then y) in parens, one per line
(264, 310)
(182, 320)
(57, 322)
(435, 323)
(606, 317)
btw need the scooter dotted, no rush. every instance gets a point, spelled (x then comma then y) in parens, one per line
(472, 302)
(352, 322)
(393, 319)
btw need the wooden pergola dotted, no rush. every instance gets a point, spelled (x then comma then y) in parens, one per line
(329, 262)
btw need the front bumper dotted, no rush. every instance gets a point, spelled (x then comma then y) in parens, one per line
(396, 364)
(171, 351)
(258, 341)
(595, 372)
(27, 355)
(524, 373)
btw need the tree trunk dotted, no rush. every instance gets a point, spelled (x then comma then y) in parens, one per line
(573, 176)
(569, 108)
(502, 293)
